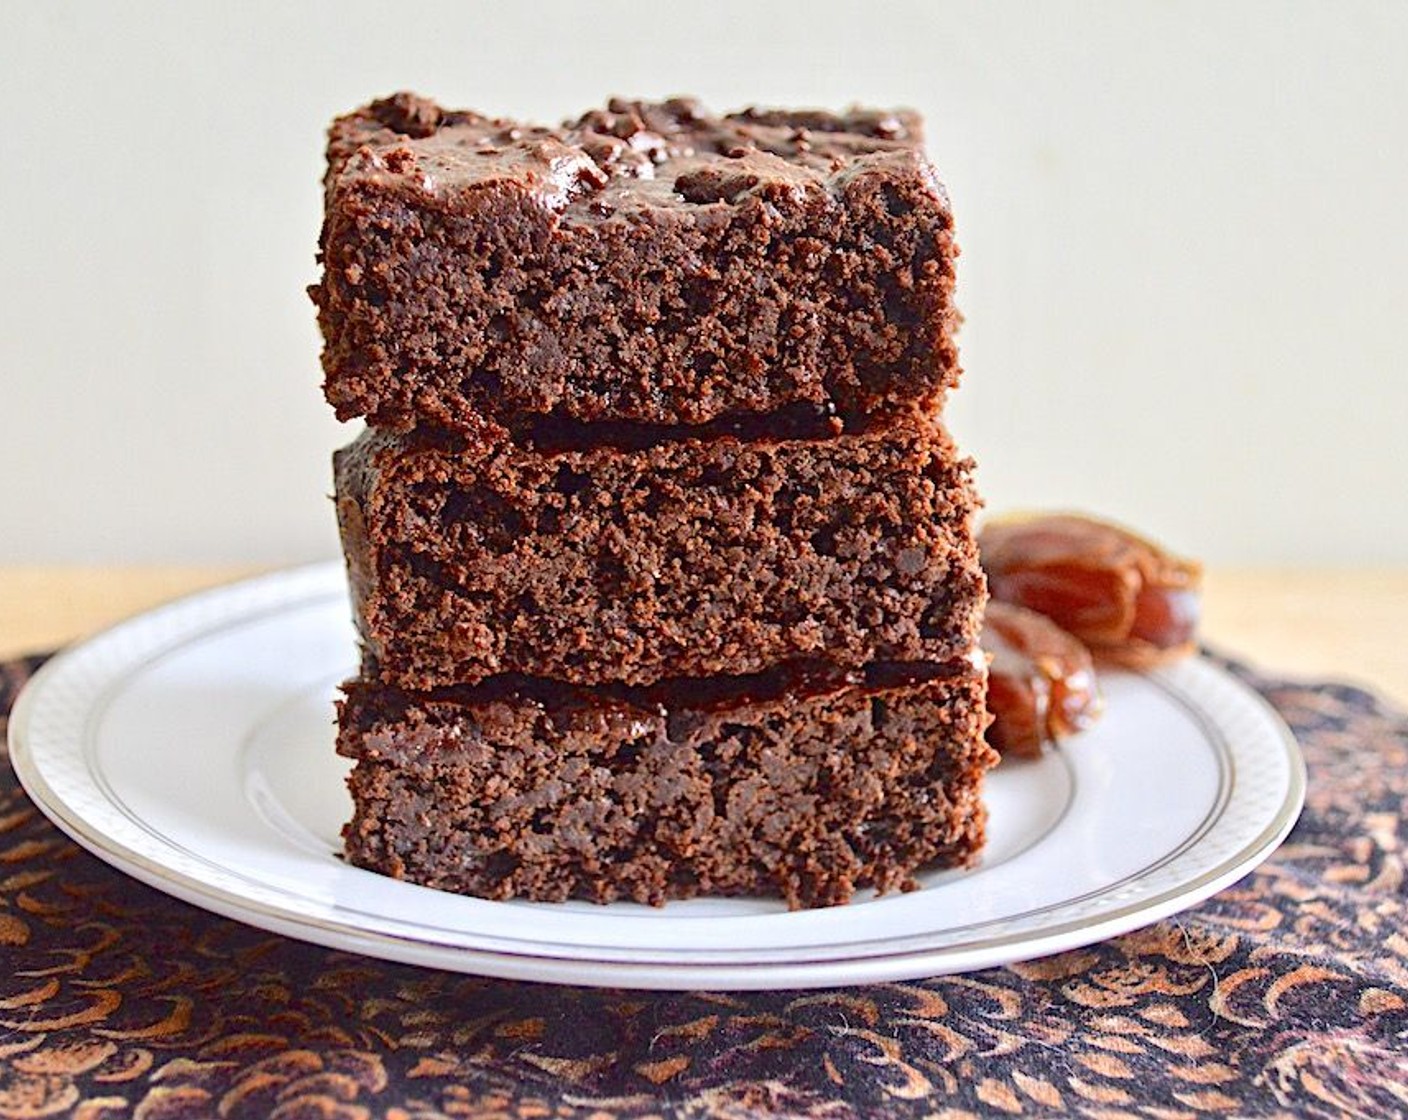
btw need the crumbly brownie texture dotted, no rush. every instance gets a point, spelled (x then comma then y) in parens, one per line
(686, 559)
(808, 787)
(648, 262)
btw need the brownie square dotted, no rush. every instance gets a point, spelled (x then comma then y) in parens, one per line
(475, 557)
(649, 262)
(806, 784)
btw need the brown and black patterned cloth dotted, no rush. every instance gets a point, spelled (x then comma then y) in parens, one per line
(1286, 995)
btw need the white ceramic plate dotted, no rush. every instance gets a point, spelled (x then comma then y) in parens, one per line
(192, 748)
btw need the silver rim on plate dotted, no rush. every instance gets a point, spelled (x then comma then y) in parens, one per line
(52, 745)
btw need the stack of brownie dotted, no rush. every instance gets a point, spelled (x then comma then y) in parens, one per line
(662, 560)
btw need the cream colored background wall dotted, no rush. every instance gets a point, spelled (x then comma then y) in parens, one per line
(1185, 231)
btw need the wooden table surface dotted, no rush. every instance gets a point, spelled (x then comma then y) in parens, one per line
(1335, 625)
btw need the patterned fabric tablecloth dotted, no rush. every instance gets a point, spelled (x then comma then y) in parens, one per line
(1285, 995)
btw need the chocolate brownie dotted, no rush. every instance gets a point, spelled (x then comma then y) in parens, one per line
(647, 262)
(474, 557)
(801, 782)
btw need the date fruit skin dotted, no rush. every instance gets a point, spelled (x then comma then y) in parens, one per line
(1131, 601)
(1041, 680)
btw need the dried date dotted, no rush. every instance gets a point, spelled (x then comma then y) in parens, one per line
(1126, 598)
(1041, 681)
